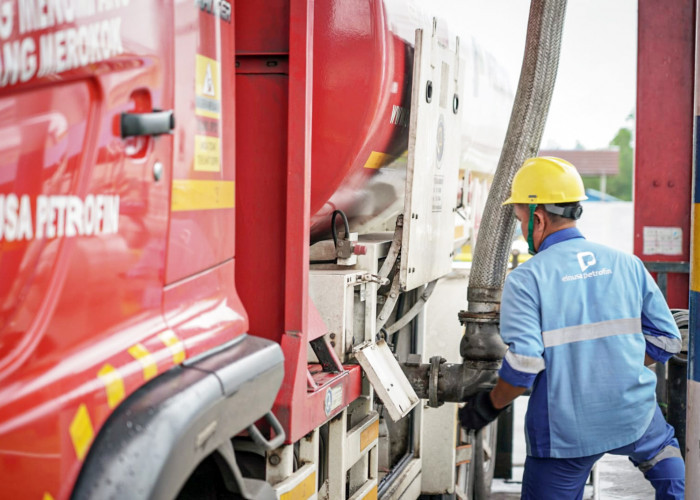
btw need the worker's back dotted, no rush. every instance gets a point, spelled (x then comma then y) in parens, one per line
(588, 308)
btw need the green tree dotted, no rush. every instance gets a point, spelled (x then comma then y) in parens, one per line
(619, 185)
(591, 182)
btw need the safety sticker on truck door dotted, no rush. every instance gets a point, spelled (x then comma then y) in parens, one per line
(207, 145)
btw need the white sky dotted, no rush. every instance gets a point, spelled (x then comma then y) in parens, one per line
(595, 90)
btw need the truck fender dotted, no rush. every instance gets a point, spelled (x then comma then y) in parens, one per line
(155, 439)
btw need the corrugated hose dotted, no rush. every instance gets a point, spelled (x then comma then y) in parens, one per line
(481, 341)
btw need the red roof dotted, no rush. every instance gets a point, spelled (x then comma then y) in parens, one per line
(588, 162)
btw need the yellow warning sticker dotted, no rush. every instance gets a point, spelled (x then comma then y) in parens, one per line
(195, 194)
(140, 353)
(369, 435)
(207, 156)
(81, 432)
(378, 160)
(114, 385)
(371, 494)
(176, 347)
(694, 270)
(305, 489)
(207, 87)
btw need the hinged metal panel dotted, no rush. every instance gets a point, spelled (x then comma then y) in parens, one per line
(432, 175)
(385, 375)
(332, 292)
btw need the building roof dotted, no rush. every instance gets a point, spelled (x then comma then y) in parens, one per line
(588, 162)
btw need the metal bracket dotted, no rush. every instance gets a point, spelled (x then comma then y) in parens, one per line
(394, 249)
(260, 440)
(390, 302)
(326, 355)
(373, 278)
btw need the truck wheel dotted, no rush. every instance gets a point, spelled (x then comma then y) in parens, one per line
(484, 461)
(205, 483)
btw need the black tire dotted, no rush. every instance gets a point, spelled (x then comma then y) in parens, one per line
(484, 461)
(206, 483)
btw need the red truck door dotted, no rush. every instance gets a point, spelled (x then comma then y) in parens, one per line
(84, 201)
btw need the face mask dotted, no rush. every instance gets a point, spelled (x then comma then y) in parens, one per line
(530, 226)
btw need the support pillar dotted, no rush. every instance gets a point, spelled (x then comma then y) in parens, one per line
(692, 437)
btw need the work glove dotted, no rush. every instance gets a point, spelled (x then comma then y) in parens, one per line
(478, 412)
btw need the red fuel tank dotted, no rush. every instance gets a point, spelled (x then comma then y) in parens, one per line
(362, 71)
(362, 75)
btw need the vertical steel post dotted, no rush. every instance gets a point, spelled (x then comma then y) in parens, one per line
(663, 144)
(692, 446)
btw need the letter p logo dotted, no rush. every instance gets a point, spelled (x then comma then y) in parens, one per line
(585, 260)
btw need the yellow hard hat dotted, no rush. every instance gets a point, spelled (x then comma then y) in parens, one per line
(546, 180)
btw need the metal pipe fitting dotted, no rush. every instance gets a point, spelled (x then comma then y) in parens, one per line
(440, 382)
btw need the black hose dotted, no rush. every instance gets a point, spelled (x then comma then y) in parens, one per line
(334, 231)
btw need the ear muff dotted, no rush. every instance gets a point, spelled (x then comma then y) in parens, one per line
(571, 212)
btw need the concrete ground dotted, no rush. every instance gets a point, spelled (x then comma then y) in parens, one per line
(617, 478)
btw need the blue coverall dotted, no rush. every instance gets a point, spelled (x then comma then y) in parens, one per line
(578, 319)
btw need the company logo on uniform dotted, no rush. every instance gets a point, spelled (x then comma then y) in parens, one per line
(585, 260)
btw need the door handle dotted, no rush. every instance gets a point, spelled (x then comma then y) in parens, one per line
(155, 123)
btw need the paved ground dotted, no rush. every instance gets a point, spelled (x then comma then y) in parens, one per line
(618, 479)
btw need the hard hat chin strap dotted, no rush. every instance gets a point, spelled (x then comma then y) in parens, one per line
(530, 227)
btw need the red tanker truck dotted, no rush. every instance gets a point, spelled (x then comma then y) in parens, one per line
(219, 222)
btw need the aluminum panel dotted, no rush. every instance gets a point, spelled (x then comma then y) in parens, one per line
(332, 292)
(432, 177)
(385, 375)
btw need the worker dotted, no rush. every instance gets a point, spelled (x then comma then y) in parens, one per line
(582, 323)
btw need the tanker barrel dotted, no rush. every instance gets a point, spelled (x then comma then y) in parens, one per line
(440, 382)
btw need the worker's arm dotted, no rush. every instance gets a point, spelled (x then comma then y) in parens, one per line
(521, 330)
(661, 334)
(504, 393)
